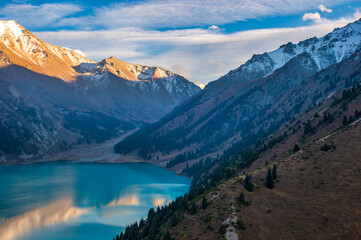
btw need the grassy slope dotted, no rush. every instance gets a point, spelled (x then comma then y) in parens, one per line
(317, 196)
(317, 193)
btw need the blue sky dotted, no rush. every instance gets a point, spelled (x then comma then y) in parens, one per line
(200, 39)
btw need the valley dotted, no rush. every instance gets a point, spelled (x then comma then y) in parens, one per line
(107, 149)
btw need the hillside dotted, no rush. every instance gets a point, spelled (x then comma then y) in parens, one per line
(316, 195)
(316, 191)
(251, 101)
(53, 98)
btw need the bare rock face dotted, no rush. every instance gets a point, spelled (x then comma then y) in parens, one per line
(53, 98)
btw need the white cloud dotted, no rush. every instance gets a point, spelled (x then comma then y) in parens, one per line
(190, 13)
(312, 16)
(38, 16)
(214, 28)
(199, 54)
(323, 8)
(180, 70)
(151, 14)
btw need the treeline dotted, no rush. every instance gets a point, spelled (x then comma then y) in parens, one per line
(166, 216)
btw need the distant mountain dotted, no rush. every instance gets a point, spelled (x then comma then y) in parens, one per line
(251, 101)
(53, 98)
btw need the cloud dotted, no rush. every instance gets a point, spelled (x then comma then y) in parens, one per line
(214, 28)
(180, 70)
(199, 54)
(312, 16)
(323, 8)
(38, 16)
(191, 13)
(153, 14)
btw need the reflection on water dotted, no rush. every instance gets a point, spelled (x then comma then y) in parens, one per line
(158, 202)
(80, 201)
(126, 200)
(54, 213)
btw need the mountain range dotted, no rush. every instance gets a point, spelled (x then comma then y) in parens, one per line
(252, 101)
(53, 98)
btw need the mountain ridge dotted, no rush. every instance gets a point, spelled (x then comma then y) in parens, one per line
(238, 105)
(54, 98)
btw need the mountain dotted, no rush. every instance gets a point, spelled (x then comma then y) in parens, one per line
(251, 101)
(22, 48)
(311, 161)
(53, 98)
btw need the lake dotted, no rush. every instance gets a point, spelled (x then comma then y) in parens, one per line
(61, 200)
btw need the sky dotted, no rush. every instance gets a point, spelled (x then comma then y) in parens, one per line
(199, 39)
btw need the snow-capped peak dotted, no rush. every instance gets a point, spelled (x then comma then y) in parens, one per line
(325, 51)
(337, 46)
(10, 27)
(22, 48)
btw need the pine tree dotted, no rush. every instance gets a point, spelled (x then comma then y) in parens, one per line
(274, 171)
(167, 236)
(308, 128)
(141, 223)
(269, 181)
(174, 221)
(193, 209)
(248, 184)
(204, 203)
(357, 113)
(344, 120)
(241, 198)
(296, 148)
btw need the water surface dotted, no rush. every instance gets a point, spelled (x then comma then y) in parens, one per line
(80, 201)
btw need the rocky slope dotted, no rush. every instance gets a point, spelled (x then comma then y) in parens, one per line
(252, 101)
(53, 97)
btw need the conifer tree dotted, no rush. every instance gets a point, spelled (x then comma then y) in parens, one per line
(204, 203)
(248, 184)
(357, 113)
(141, 223)
(167, 236)
(241, 198)
(193, 209)
(174, 221)
(274, 171)
(296, 148)
(269, 181)
(344, 120)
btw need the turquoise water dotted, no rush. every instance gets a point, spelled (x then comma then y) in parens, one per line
(80, 201)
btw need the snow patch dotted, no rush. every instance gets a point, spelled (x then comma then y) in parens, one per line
(17, 31)
(80, 52)
(10, 26)
(2, 28)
